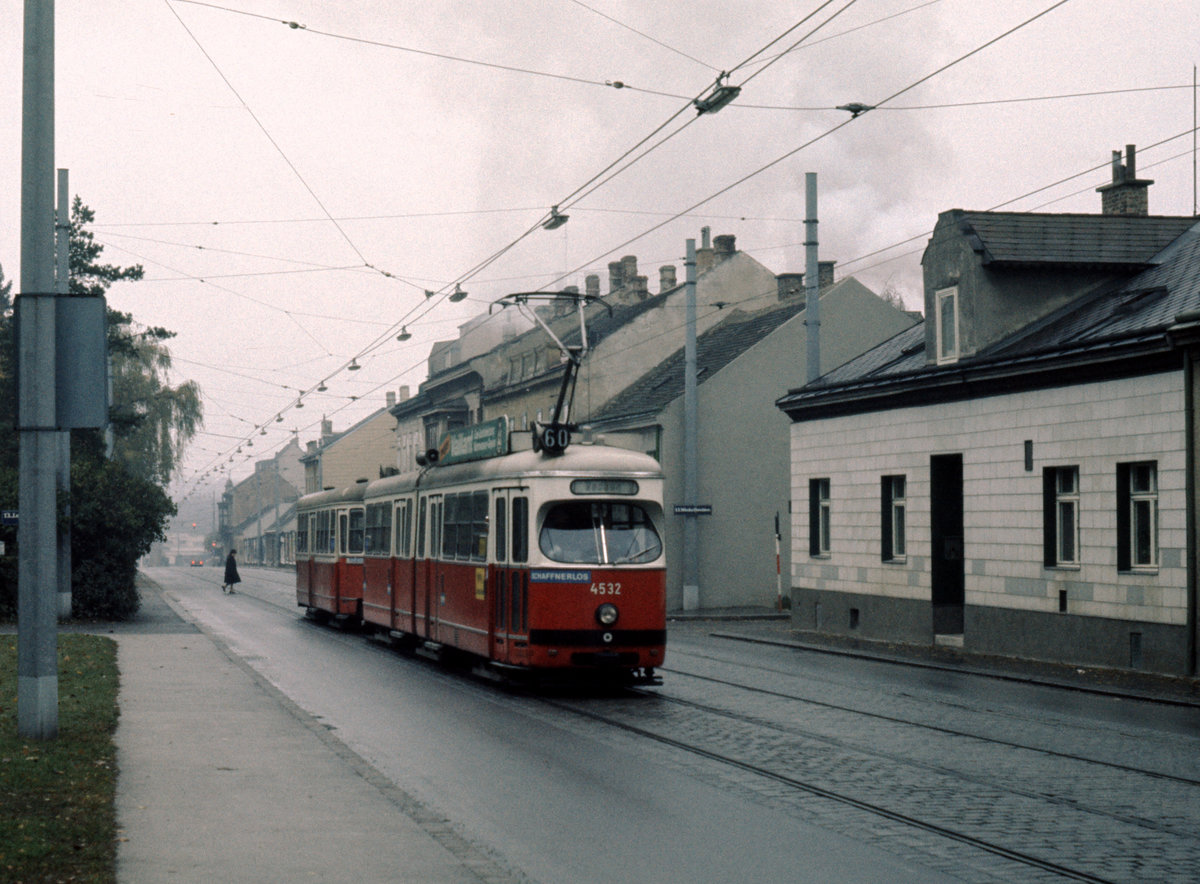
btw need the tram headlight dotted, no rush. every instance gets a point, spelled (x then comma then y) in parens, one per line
(607, 614)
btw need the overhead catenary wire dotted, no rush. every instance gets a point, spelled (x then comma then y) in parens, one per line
(785, 156)
(644, 35)
(819, 137)
(278, 149)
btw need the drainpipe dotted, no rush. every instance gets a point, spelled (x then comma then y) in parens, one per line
(1189, 446)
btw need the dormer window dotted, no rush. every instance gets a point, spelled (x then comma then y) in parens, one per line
(947, 325)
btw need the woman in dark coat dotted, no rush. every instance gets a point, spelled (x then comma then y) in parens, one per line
(231, 574)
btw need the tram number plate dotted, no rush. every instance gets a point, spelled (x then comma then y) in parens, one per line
(606, 589)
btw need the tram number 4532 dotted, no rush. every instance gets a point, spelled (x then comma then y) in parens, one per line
(606, 589)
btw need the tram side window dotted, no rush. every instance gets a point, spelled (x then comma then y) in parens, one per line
(403, 545)
(324, 520)
(450, 526)
(379, 529)
(477, 542)
(501, 531)
(435, 526)
(302, 533)
(421, 530)
(465, 528)
(599, 533)
(520, 529)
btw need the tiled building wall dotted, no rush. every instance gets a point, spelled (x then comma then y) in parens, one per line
(1092, 426)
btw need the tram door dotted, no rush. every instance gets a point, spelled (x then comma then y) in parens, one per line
(508, 588)
(429, 590)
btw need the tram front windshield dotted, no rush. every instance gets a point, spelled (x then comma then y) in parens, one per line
(582, 532)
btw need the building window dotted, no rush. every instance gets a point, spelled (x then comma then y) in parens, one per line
(1137, 516)
(818, 517)
(893, 505)
(947, 325)
(1060, 492)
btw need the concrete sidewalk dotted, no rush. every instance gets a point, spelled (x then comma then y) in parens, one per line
(223, 779)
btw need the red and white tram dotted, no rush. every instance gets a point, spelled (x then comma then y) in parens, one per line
(531, 563)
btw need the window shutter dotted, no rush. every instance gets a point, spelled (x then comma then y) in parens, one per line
(885, 517)
(1049, 520)
(814, 517)
(1124, 550)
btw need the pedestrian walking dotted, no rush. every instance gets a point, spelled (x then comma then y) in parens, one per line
(231, 574)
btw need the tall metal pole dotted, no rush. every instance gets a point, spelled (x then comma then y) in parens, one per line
(37, 638)
(62, 286)
(691, 546)
(812, 278)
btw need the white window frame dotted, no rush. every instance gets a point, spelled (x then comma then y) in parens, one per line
(1066, 499)
(1143, 506)
(948, 348)
(897, 504)
(821, 535)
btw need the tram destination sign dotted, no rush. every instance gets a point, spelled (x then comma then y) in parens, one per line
(478, 442)
(693, 509)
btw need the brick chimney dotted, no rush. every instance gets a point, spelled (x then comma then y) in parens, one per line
(790, 285)
(629, 268)
(1127, 195)
(616, 276)
(563, 306)
(591, 285)
(723, 247)
(666, 278)
(404, 393)
(639, 288)
(825, 273)
(390, 398)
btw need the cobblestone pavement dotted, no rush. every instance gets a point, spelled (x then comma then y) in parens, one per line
(1106, 788)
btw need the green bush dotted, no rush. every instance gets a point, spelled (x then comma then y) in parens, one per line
(115, 518)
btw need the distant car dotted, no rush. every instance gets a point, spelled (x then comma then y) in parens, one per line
(197, 563)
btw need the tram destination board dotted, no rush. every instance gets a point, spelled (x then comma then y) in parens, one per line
(693, 509)
(477, 442)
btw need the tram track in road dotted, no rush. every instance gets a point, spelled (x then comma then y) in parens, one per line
(774, 759)
(1052, 753)
(942, 770)
(876, 810)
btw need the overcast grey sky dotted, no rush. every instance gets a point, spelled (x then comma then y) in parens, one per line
(216, 143)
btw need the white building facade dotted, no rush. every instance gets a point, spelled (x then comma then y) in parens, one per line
(874, 576)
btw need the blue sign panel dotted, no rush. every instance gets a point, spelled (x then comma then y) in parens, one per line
(8, 517)
(548, 575)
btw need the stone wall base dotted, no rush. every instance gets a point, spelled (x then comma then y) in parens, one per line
(1055, 638)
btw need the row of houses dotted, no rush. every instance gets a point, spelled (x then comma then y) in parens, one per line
(1012, 474)
(751, 336)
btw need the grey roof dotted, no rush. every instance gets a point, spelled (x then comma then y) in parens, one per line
(1116, 318)
(1021, 238)
(715, 349)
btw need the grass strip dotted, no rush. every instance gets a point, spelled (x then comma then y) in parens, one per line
(57, 797)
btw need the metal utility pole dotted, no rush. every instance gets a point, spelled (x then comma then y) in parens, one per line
(62, 286)
(691, 547)
(812, 278)
(37, 638)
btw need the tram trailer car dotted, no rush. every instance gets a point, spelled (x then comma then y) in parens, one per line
(534, 565)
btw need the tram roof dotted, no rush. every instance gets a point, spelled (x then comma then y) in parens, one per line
(578, 459)
(332, 496)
